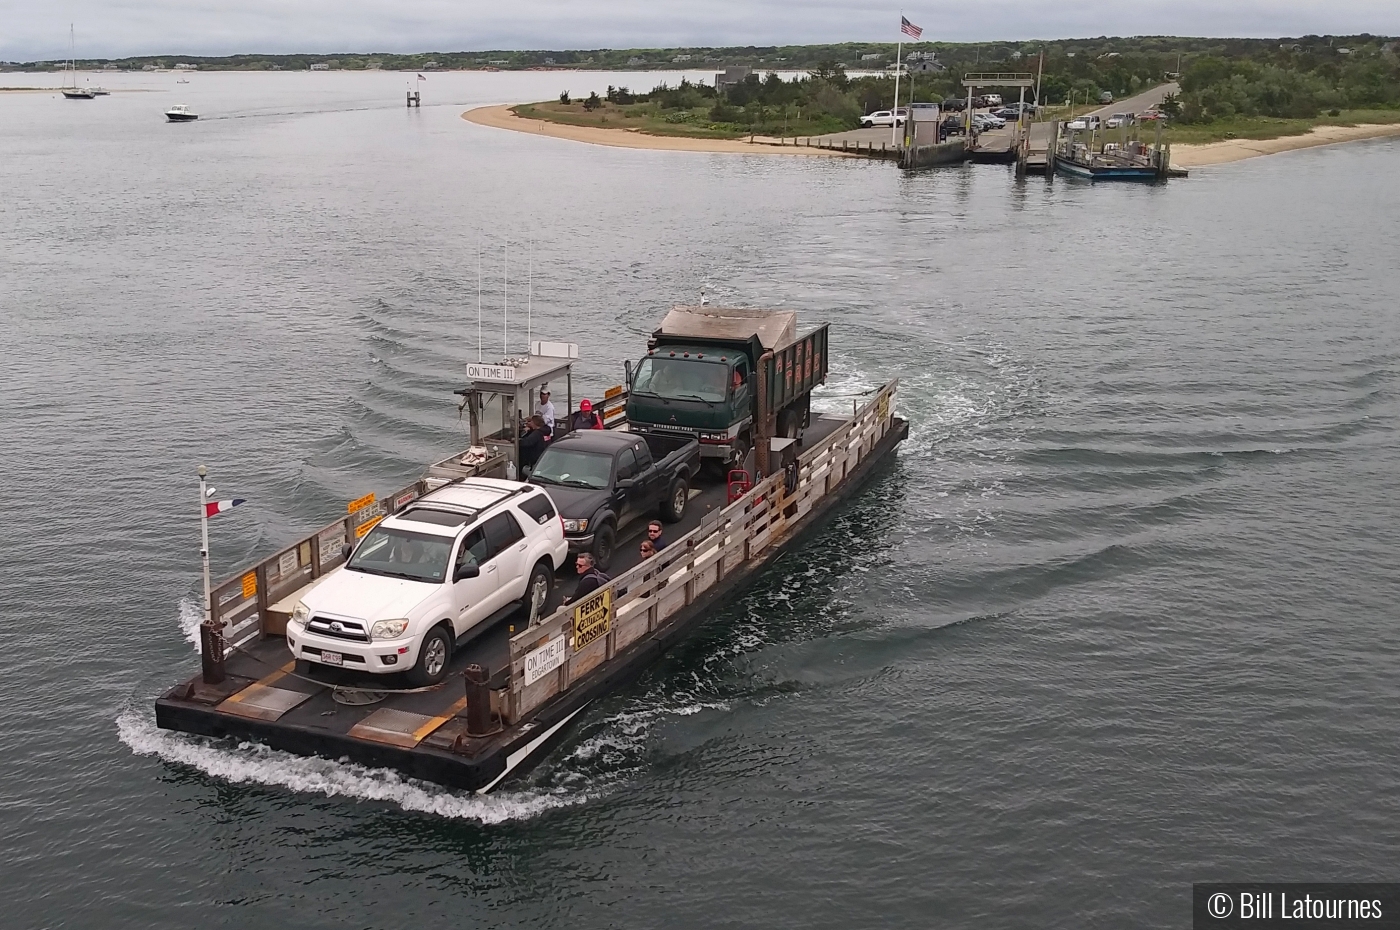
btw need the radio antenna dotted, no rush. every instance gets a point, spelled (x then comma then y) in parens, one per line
(478, 296)
(505, 309)
(530, 295)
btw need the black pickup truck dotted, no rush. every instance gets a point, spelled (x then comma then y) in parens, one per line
(603, 479)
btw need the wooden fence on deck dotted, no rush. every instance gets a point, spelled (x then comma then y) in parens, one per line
(562, 649)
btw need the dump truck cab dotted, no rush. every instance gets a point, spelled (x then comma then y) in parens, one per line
(728, 377)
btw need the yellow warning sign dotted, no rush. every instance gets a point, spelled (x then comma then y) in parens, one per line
(592, 618)
(360, 503)
(882, 409)
(250, 584)
(365, 527)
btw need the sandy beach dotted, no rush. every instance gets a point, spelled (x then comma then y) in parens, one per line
(1219, 153)
(500, 117)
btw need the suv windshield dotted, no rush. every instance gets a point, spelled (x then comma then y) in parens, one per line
(682, 377)
(401, 554)
(575, 469)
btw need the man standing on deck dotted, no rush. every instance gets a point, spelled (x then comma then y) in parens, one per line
(545, 409)
(591, 578)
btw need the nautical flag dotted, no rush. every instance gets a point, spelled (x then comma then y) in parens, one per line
(421, 78)
(909, 28)
(214, 508)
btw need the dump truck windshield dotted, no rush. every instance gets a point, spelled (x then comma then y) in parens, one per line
(682, 377)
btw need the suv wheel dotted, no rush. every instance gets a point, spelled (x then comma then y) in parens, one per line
(673, 507)
(603, 543)
(537, 593)
(434, 656)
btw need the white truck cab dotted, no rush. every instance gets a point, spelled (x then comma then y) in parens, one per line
(424, 577)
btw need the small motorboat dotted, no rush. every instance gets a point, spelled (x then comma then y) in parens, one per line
(181, 114)
(99, 91)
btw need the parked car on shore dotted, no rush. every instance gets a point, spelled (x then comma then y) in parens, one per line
(1008, 113)
(1116, 120)
(883, 118)
(955, 104)
(992, 100)
(952, 126)
(984, 121)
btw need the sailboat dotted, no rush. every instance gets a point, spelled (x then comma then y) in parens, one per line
(70, 73)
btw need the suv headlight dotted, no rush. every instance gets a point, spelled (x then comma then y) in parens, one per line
(300, 614)
(387, 629)
(576, 526)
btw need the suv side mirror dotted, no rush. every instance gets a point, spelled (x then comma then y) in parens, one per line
(467, 570)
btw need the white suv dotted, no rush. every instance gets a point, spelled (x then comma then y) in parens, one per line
(455, 558)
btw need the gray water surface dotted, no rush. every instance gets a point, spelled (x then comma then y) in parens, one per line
(1121, 616)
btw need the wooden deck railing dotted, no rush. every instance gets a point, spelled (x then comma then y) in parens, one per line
(552, 656)
(242, 602)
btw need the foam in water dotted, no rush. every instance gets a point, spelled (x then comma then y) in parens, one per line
(251, 763)
(191, 616)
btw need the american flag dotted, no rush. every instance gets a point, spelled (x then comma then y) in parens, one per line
(909, 28)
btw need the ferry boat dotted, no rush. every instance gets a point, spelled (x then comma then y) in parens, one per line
(1130, 160)
(514, 683)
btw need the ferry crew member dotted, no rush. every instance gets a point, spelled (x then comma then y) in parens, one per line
(532, 444)
(591, 577)
(545, 409)
(654, 535)
(586, 417)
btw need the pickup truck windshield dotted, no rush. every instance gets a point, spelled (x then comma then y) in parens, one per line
(682, 377)
(400, 554)
(573, 468)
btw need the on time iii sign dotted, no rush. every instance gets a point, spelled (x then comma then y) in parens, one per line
(490, 372)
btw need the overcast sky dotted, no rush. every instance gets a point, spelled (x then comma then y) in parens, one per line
(38, 29)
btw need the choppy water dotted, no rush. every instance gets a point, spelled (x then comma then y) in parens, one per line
(1121, 617)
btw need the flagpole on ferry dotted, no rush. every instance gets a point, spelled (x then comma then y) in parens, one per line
(204, 542)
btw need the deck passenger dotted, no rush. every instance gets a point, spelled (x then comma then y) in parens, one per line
(545, 409)
(654, 530)
(532, 444)
(586, 417)
(591, 577)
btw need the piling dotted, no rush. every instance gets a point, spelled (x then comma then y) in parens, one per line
(478, 701)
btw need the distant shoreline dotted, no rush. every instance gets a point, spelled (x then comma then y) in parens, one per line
(502, 117)
(1232, 150)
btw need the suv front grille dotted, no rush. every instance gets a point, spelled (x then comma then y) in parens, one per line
(338, 629)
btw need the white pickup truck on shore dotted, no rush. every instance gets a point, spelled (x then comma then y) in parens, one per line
(423, 578)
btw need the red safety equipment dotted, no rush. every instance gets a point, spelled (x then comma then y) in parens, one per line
(739, 484)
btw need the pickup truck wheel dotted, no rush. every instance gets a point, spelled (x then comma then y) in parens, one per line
(537, 593)
(673, 507)
(603, 544)
(434, 655)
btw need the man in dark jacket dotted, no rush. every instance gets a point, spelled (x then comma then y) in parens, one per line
(585, 417)
(532, 444)
(591, 578)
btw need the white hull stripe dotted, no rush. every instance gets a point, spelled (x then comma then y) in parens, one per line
(523, 753)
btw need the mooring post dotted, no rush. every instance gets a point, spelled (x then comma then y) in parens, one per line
(478, 701)
(211, 651)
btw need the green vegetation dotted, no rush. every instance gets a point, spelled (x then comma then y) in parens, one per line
(826, 100)
(1291, 81)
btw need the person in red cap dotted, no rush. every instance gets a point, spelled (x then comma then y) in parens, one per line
(586, 417)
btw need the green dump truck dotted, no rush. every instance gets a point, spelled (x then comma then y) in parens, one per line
(731, 378)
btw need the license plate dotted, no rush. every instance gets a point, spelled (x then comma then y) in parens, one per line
(332, 658)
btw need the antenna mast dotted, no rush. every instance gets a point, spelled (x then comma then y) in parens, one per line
(530, 295)
(478, 296)
(505, 309)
